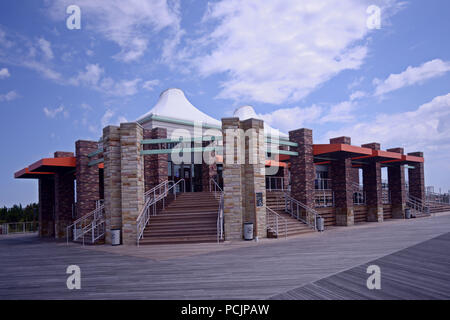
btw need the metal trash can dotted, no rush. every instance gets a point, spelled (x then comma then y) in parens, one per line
(408, 213)
(248, 231)
(115, 237)
(320, 224)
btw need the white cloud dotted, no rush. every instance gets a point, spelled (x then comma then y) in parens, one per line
(4, 73)
(150, 84)
(11, 95)
(280, 50)
(90, 77)
(53, 113)
(130, 24)
(426, 128)
(357, 95)
(107, 116)
(93, 77)
(411, 76)
(292, 118)
(46, 48)
(341, 112)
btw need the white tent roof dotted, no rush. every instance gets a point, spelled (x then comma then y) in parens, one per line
(173, 103)
(247, 112)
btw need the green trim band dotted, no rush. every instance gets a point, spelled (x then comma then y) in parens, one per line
(282, 142)
(179, 150)
(181, 139)
(93, 154)
(94, 162)
(289, 153)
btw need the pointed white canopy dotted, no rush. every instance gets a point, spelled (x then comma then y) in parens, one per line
(247, 112)
(173, 103)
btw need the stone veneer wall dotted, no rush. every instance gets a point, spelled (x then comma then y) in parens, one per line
(155, 166)
(396, 182)
(88, 184)
(254, 175)
(232, 183)
(132, 179)
(112, 179)
(46, 207)
(372, 187)
(302, 167)
(416, 178)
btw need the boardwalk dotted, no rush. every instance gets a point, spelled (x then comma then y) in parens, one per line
(329, 265)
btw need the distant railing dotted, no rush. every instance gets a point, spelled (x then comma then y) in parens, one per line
(275, 222)
(359, 195)
(220, 219)
(275, 183)
(323, 198)
(19, 227)
(417, 205)
(322, 184)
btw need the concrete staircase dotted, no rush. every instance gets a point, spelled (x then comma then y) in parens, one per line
(438, 207)
(191, 218)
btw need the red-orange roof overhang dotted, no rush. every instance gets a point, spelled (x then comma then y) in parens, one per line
(404, 160)
(26, 174)
(324, 152)
(53, 164)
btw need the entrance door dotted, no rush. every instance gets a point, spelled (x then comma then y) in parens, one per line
(187, 176)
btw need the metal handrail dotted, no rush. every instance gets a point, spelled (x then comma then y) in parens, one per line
(311, 214)
(323, 198)
(220, 219)
(322, 184)
(417, 204)
(90, 219)
(144, 217)
(152, 191)
(275, 228)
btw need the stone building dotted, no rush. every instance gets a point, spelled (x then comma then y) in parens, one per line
(178, 175)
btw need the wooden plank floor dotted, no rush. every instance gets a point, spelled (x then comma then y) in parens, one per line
(420, 272)
(34, 269)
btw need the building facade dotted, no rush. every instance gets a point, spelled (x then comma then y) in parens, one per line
(256, 173)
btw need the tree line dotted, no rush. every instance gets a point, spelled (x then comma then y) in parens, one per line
(17, 213)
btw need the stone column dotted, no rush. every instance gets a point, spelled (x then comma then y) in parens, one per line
(155, 166)
(254, 175)
(416, 178)
(232, 180)
(64, 197)
(372, 187)
(112, 180)
(88, 182)
(132, 179)
(302, 167)
(46, 207)
(396, 182)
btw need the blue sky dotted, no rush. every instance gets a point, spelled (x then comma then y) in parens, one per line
(310, 63)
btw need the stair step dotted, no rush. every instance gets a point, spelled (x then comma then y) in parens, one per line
(180, 239)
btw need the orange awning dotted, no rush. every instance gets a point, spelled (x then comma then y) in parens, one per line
(53, 164)
(26, 174)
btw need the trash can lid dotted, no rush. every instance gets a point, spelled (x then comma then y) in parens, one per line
(247, 223)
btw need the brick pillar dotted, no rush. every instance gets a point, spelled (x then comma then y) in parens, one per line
(132, 178)
(232, 181)
(254, 175)
(396, 182)
(341, 172)
(46, 207)
(302, 167)
(64, 197)
(372, 187)
(112, 179)
(416, 178)
(88, 182)
(155, 166)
